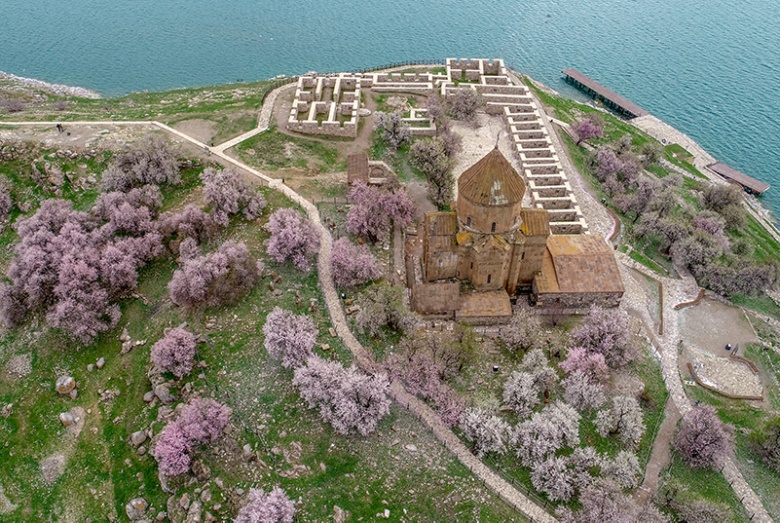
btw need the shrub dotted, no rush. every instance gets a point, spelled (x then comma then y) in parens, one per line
(591, 364)
(623, 469)
(553, 477)
(432, 158)
(289, 337)
(293, 238)
(392, 128)
(190, 222)
(227, 193)
(581, 392)
(382, 306)
(272, 507)
(352, 264)
(175, 352)
(215, 278)
(6, 202)
(765, 442)
(702, 439)
(463, 104)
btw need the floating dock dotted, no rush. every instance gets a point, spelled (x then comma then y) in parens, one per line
(610, 98)
(751, 185)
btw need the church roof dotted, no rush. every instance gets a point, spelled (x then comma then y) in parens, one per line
(578, 263)
(491, 181)
(441, 223)
(536, 222)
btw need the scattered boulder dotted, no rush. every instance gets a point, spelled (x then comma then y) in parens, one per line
(124, 336)
(149, 396)
(127, 346)
(164, 394)
(101, 362)
(201, 471)
(53, 467)
(137, 437)
(91, 367)
(74, 394)
(248, 453)
(7, 410)
(66, 418)
(136, 508)
(195, 513)
(339, 514)
(65, 385)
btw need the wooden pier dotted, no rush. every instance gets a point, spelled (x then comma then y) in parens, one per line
(751, 185)
(611, 99)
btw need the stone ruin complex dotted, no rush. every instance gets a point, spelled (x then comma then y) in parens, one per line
(330, 105)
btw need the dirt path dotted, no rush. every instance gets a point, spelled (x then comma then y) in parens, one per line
(661, 455)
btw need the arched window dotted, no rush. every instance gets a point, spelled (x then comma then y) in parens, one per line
(489, 278)
(514, 221)
(493, 227)
(468, 221)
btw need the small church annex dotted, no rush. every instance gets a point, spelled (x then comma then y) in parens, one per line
(475, 259)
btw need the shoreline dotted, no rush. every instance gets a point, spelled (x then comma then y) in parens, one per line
(58, 89)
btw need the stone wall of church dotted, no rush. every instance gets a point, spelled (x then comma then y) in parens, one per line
(531, 257)
(441, 298)
(491, 270)
(488, 219)
(576, 300)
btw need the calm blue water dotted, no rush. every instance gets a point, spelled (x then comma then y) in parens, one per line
(709, 67)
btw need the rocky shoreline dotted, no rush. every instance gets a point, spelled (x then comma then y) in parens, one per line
(58, 89)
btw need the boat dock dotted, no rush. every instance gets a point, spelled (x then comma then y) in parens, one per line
(610, 98)
(751, 185)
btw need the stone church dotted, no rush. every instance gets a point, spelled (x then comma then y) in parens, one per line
(491, 248)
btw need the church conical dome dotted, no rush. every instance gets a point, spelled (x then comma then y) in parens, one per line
(492, 181)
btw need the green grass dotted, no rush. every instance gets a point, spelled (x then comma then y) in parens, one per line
(648, 262)
(707, 484)
(762, 304)
(210, 103)
(274, 150)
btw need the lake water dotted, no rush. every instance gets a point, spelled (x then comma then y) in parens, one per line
(708, 67)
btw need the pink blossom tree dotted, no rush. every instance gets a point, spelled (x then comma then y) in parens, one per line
(190, 222)
(293, 238)
(622, 418)
(203, 420)
(603, 502)
(581, 392)
(175, 352)
(289, 337)
(348, 399)
(623, 469)
(586, 129)
(521, 393)
(702, 439)
(352, 264)
(150, 162)
(487, 433)
(375, 209)
(172, 450)
(553, 477)
(591, 364)
(605, 332)
(272, 507)
(228, 193)
(555, 427)
(214, 279)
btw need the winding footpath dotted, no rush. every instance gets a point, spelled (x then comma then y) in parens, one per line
(675, 291)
